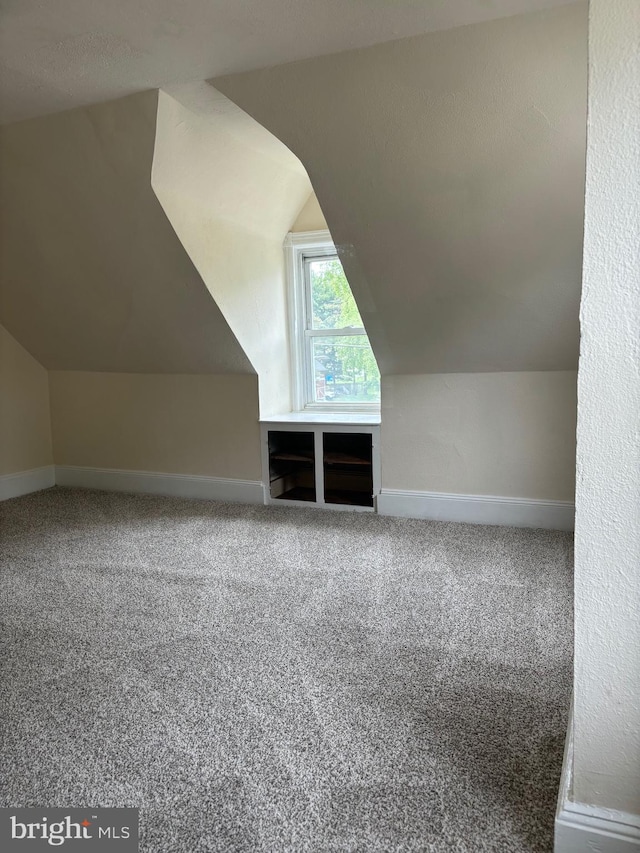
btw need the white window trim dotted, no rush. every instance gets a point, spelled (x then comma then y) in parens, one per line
(297, 247)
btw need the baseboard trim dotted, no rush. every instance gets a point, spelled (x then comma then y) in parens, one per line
(580, 827)
(155, 483)
(477, 509)
(25, 482)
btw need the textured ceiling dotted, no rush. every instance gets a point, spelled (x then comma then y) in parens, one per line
(70, 53)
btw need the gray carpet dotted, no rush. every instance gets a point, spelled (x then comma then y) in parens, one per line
(271, 679)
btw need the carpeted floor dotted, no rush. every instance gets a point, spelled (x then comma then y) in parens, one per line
(269, 679)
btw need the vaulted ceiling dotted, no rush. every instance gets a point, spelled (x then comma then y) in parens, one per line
(70, 53)
(450, 169)
(449, 166)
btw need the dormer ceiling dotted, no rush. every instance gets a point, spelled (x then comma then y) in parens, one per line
(450, 169)
(71, 53)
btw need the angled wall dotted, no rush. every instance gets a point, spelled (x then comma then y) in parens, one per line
(450, 168)
(231, 190)
(92, 276)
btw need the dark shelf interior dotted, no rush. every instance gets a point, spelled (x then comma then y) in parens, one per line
(346, 496)
(292, 465)
(348, 469)
(297, 493)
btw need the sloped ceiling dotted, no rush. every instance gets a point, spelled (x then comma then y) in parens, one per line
(70, 53)
(450, 168)
(93, 276)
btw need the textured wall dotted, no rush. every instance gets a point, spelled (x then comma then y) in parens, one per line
(203, 425)
(92, 276)
(25, 425)
(231, 191)
(507, 434)
(606, 765)
(450, 168)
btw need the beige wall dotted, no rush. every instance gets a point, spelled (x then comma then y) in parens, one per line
(311, 217)
(231, 191)
(25, 424)
(506, 434)
(203, 425)
(450, 168)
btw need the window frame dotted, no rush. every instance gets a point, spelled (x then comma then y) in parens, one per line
(301, 248)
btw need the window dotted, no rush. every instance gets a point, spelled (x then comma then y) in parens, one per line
(332, 361)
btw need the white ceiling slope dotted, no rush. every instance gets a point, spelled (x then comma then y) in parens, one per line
(70, 53)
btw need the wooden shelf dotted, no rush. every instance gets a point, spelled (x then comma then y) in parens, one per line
(331, 466)
(333, 458)
(286, 456)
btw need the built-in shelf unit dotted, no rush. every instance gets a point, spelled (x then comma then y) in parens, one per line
(333, 464)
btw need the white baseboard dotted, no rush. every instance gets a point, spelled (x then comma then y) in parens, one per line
(477, 509)
(153, 483)
(582, 828)
(24, 482)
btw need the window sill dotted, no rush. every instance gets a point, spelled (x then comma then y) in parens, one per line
(371, 418)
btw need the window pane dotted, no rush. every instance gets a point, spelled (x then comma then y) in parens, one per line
(345, 370)
(332, 303)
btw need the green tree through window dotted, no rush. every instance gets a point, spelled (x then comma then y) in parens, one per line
(344, 366)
